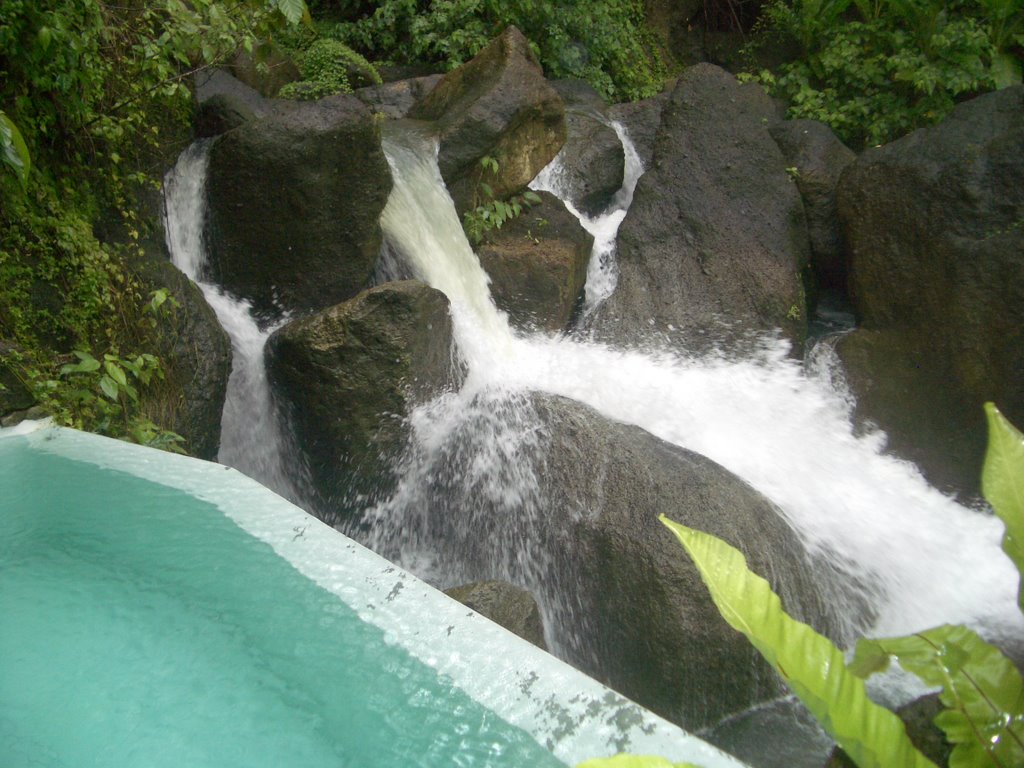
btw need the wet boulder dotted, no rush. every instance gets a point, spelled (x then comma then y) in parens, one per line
(646, 623)
(497, 105)
(539, 474)
(294, 201)
(195, 353)
(641, 119)
(816, 159)
(713, 245)
(224, 102)
(349, 376)
(537, 264)
(591, 163)
(504, 604)
(396, 98)
(934, 225)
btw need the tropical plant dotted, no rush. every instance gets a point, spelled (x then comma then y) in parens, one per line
(96, 101)
(487, 213)
(877, 69)
(327, 67)
(608, 45)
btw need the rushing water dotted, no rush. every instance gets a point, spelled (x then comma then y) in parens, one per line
(786, 429)
(919, 557)
(602, 272)
(252, 440)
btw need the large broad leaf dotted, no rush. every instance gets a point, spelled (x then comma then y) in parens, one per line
(809, 663)
(293, 10)
(1002, 482)
(981, 690)
(13, 150)
(632, 761)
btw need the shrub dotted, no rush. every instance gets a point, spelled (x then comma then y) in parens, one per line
(608, 45)
(328, 67)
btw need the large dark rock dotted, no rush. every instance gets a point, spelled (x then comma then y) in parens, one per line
(195, 353)
(504, 604)
(350, 375)
(497, 105)
(650, 627)
(934, 223)
(714, 243)
(591, 162)
(396, 98)
(581, 495)
(818, 158)
(538, 265)
(641, 119)
(294, 203)
(223, 102)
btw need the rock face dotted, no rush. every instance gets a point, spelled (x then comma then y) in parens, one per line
(223, 102)
(934, 223)
(651, 629)
(592, 162)
(395, 99)
(496, 105)
(294, 202)
(714, 243)
(504, 604)
(819, 158)
(538, 265)
(196, 356)
(582, 494)
(641, 120)
(350, 375)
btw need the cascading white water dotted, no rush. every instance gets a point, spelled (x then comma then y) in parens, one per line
(251, 438)
(602, 272)
(923, 558)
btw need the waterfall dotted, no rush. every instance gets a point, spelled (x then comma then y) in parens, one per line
(602, 272)
(252, 440)
(923, 558)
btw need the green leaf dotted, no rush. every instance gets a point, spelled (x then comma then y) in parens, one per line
(115, 372)
(1006, 70)
(14, 151)
(45, 36)
(109, 387)
(632, 761)
(292, 10)
(981, 689)
(809, 663)
(1002, 483)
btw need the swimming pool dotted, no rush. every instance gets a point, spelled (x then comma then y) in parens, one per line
(158, 610)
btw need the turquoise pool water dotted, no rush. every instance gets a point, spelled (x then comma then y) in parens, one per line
(141, 626)
(157, 610)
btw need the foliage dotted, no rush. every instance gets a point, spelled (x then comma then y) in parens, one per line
(981, 690)
(489, 214)
(877, 69)
(15, 153)
(97, 96)
(607, 45)
(809, 663)
(326, 66)
(1002, 483)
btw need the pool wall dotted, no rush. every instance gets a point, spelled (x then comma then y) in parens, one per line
(572, 715)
